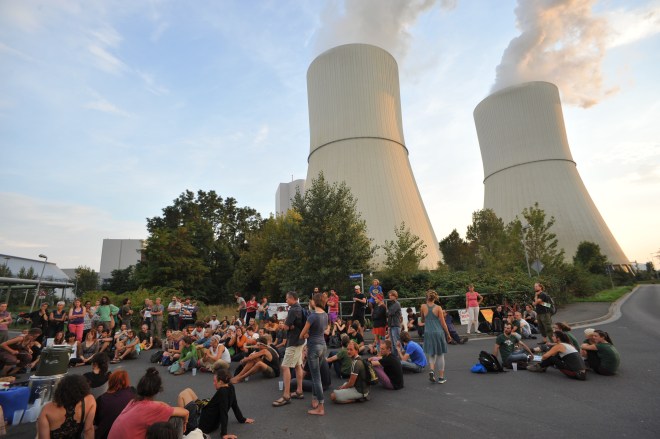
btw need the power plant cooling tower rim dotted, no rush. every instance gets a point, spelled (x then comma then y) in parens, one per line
(356, 138)
(527, 163)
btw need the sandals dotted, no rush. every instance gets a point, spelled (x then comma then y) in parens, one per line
(282, 401)
(115, 361)
(297, 395)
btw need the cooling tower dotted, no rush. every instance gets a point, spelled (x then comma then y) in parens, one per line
(527, 159)
(356, 136)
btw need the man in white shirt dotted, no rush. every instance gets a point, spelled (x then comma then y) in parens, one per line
(214, 322)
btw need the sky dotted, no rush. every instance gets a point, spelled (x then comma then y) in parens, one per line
(109, 110)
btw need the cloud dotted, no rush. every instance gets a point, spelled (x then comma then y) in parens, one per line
(629, 26)
(70, 234)
(383, 23)
(105, 61)
(262, 134)
(20, 14)
(562, 42)
(101, 104)
(17, 53)
(151, 84)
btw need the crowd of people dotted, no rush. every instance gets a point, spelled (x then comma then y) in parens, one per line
(304, 350)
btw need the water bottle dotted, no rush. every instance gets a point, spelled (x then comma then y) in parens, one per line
(194, 371)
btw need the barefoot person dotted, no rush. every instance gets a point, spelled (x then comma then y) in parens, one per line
(316, 349)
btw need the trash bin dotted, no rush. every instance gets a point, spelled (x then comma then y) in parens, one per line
(54, 360)
(12, 399)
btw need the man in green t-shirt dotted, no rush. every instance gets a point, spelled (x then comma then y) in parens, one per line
(357, 386)
(507, 344)
(342, 362)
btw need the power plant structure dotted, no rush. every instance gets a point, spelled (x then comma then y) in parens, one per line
(356, 137)
(527, 159)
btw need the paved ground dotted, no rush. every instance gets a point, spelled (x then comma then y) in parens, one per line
(491, 405)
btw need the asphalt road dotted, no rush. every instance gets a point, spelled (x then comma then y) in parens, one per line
(469, 405)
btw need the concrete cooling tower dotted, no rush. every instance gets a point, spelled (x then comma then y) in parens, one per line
(527, 159)
(356, 136)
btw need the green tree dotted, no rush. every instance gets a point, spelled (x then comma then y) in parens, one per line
(121, 280)
(402, 256)
(26, 274)
(540, 242)
(86, 280)
(589, 257)
(329, 242)
(456, 252)
(5, 271)
(493, 244)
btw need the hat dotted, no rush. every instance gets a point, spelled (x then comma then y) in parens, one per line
(232, 328)
(589, 331)
(357, 287)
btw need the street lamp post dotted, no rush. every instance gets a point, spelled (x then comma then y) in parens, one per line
(7, 274)
(524, 244)
(34, 299)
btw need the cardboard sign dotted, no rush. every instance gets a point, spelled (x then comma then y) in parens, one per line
(465, 317)
(488, 315)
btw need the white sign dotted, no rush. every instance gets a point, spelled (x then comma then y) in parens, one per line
(464, 315)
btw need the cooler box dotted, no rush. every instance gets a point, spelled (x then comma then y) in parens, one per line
(43, 387)
(12, 399)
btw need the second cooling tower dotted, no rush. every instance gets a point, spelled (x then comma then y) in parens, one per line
(527, 159)
(356, 136)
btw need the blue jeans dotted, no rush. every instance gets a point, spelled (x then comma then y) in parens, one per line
(408, 366)
(395, 337)
(316, 354)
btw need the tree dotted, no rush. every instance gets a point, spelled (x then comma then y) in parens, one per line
(121, 281)
(402, 257)
(589, 257)
(456, 252)
(540, 242)
(86, 280)
(26, 274)
(196, 244)
(5, 271)
(493, 245)
(330, 240)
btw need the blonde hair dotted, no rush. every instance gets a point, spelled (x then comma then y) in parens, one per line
(431, 296)
(393, 293)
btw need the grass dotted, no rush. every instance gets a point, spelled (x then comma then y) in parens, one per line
(610, 295)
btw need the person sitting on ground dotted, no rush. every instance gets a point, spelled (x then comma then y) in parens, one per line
(413, 322)
(105, 340)
(340, 360)
(146, 339)
(121, 334)
(357, 387)
(411, 354)
(530, 317)
(198, 332)
(252, 336)
(208, 415)
(510, 348)
(339, 327)
(99, 374)
(455, 338)
(279, 343)
(566, 329)
(187, 359)
(525, 329)
(204, 341)
(498, 319)
(73, 345)
(214, 322)
(143, 411)
(355, 335)
(130, 348)
(388, 367)
(563, 356)
(110, 404)
(602, 356)
(88, 348)
(173, 351)
(216, 356)
(239, 343)
(515, 325)
(264, 359)
(326, 379)
(272, 326)
(162, 430)
(58, 339)
(71, 412)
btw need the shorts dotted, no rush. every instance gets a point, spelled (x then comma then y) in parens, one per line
(195, 410)
(332, 316)
(293, 356)
(379, 331)
(350, 394)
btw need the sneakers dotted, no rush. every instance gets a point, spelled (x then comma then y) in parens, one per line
(581, 375)
(432, 377)
(477, 332)
(442, 380)
(536, 367)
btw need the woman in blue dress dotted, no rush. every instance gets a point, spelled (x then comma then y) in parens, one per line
(436, 337)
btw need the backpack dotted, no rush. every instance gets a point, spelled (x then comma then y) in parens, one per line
(156, 356)
(553, 307)
(490, 362)
(372, 377)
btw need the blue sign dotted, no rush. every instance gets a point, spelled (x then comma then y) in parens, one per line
(355, 276)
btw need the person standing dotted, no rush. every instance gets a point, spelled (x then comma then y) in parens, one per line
(251, 310)
(436, 336)
(126, 312)
(5, 321)
(313, 331)
(77, 319)
(359, 302)
(242, 307)
(394, 319)
(157, 311)
(39, 319)
(293, 351)
(107, 312)
(173, 310)
(333, 306)
(186, 314)
(543, 306)
(56, 320)
(472, 302)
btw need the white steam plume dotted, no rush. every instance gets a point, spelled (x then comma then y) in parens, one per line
(383, 23)
(562, 42)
